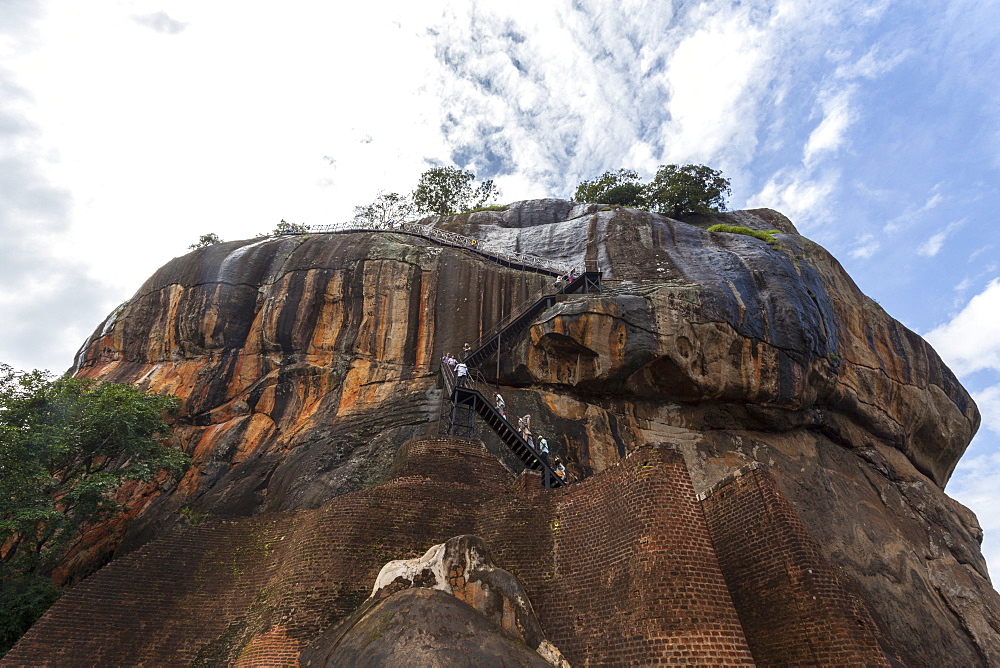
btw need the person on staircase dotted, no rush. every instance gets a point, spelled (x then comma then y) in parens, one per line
(559, 468)
(466, 350)
(461, 374)
(501, 406)
(543, 449)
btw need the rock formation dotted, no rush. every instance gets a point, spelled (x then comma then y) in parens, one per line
(304, 362)
(462, 568)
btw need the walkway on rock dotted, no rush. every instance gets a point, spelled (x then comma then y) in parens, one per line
(493, 251)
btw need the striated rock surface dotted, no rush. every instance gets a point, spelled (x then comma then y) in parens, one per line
(303, 362)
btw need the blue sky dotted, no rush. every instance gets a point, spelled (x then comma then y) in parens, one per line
(129, 127)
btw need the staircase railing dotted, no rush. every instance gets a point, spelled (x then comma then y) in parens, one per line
(487, 344)
(471, 396)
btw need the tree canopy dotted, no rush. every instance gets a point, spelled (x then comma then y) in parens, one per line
(204, 240)
(674, 191)
(621, 187)
(680, 191)
(387, 208)
(65, 446)
(449, 190)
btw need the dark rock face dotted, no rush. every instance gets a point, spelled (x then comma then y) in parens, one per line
(304, 362)
(393, 624)
(422, 627)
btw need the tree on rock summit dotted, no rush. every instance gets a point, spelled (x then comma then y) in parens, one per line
(680, 191)
(449, 190)
(674, 191)
(621, 187)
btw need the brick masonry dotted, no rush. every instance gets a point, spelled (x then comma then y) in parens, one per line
(794, 609)
(620, 569)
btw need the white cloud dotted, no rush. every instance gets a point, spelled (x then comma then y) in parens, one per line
(803, 198)
(160, 22)
(908, 216)
(710, 76)
(988, 401)
(975, 484)
(932, 246)
(866, 246)
(829, 134)
(970, 341)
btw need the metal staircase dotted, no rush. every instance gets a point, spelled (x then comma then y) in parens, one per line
(469, 398)
(519, 319)
(468, 401)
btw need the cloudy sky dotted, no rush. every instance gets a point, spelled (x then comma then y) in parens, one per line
(130, 127)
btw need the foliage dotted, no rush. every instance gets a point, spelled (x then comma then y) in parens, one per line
(288, 228)
(674, 191)
(23, 599)
(621, 187)
(446, 190)
(680, 191)
(387, 208)
(757, 234)
(204, 240)
(65, 446)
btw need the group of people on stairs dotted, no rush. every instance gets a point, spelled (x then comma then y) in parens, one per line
(524, 430)
(462, 378)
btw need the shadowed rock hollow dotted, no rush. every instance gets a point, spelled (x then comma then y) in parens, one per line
(304, 362)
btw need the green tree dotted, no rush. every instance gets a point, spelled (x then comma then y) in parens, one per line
(449, 190)
(289, 228)
(621, 187)
(387, 208)
(680, 191)
(65, 446)
(209, 239)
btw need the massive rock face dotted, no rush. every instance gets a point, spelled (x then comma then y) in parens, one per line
(303, 362)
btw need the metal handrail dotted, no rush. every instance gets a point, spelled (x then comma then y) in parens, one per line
(444, 236)
(516, 313)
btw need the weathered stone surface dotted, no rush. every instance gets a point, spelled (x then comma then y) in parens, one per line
(304, 362)
(463, 568)
(422, 627)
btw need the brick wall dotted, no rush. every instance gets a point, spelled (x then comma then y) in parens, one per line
(793, 607)
(636, 581)
(620, 569)
(214, 593)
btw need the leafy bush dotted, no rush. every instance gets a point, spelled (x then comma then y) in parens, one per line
(675, 191)
(65, 446)
(204, 240)
(621, 187)
(680, 191)
(756, 234)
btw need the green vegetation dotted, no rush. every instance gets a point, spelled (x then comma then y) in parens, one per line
(757, 234)
(621, 187)
(446, 190)
(675, 191)
(387, 208)
(443, 191)
(204, 240)
(66, 445)
(288, 228)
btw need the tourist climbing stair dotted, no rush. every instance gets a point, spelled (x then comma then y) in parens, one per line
(466, 400)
